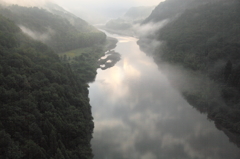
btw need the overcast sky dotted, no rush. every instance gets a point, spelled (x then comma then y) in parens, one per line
(100, 3)
(88, 9)
(96, 9)
(90, 3)
(104, 5)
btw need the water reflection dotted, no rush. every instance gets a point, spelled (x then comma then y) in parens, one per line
(138, 115)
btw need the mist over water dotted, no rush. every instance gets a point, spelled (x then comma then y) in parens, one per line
(138, 114)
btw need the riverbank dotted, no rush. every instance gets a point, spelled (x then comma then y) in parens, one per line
(134, 104)
(211, 52)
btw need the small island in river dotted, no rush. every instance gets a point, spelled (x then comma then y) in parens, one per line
(109, 60)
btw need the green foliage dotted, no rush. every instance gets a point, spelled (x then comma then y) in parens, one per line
(206, 39)
(202, 36)
(170, 8)
(85, 65)
(61, 32)
(44, 106)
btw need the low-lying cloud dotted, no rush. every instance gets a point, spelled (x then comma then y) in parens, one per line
(43, 37)
(27, 3)
(149, 29)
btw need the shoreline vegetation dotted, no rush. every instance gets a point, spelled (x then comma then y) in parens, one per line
(44, 107)
(86, 61)
(110, 59)
(204, 40)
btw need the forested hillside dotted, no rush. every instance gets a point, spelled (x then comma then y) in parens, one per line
(126, 24)
(205, 38)
(138, 13)
(170, 9)
(54, 26)
(44, 108)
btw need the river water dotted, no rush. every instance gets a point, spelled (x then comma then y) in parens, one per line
(139, 115)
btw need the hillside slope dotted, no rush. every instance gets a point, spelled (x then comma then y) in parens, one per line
(54, 26)
(205, 39)
(44, 109)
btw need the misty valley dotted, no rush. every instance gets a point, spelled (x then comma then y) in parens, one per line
(123, 79)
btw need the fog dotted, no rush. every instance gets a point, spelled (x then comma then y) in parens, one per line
(139, 114)
(90, 10)
(43, 37)
(149, 29)
(139, 111)
(182, 79)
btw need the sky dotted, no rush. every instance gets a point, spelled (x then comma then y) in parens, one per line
(103, 8)
(89, 4)
(91, 9)
(104, 3)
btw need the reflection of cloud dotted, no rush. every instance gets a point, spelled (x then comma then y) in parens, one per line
(129, 70)
(169, 142)
(201, 130)
(141, 116)
(103, 124)
(125, 39)
(149, 156)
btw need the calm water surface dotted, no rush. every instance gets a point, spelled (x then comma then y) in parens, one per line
(138, 115)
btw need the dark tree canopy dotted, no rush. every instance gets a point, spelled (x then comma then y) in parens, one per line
(204, 37)
(44, 107)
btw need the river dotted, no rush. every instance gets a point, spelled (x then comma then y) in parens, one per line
(139, 115)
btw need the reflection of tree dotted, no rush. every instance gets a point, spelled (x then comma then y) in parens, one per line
(213, 50)
(233, 137)
(112, 58)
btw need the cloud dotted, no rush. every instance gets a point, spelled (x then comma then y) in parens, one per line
(102, 3)
(28, 3)
(43, 37)
(149, 29)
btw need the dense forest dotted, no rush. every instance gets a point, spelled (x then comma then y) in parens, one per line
(126, 24)
(51, 24)
(44, 105)
(204, 37)
(171, 9)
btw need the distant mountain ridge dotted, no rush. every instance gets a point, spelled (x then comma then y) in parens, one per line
(138, 13)
(126, 24)
(62, 30)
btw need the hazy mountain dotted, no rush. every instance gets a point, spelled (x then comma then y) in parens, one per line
(54, 26)
(133, 17)
(138, 13)
(172, 8)
(203, 38)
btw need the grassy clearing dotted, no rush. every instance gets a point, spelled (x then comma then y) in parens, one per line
(77, 52)
(110, 44)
